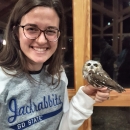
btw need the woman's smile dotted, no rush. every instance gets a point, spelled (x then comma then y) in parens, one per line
(39, 49)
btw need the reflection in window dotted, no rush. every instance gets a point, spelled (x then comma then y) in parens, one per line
(112, 30)
(110, 33)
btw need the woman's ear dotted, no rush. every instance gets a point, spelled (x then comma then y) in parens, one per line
(59, 33)
(15, 32)
(15, 36)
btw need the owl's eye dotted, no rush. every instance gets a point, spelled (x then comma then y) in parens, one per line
(96, 65)
(88, 64)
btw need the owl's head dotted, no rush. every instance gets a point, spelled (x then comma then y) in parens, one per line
(91, 65)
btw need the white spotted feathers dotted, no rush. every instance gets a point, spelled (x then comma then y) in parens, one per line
(97, 77)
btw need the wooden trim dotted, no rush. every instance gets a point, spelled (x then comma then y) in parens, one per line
(125, 11)
(102, 9)
(81, 25)
(82, 38)
(117, 99)
(82, 42)
(71, 93)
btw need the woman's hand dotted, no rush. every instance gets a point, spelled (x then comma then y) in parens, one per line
(98, 94)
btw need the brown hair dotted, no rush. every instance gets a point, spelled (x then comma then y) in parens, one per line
(11, 57)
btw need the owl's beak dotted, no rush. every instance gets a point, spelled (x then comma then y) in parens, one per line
(92, 70)
(91, 67)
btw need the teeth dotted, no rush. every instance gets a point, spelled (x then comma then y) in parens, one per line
(40, 49)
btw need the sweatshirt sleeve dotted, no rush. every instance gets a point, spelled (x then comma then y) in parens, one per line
(77, 111)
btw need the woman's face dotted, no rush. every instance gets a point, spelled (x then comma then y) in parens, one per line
(39, 50)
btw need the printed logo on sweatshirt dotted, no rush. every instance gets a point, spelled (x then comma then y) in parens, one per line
(17, 111)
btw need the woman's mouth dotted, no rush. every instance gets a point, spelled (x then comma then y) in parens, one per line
(40, 50)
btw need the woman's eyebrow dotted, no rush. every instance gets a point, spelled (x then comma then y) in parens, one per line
(30, 24)
(53, 27)
(35, 25)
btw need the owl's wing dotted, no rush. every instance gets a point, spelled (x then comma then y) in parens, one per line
(102, 79)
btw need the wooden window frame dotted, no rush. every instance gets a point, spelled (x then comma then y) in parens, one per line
(82, 27)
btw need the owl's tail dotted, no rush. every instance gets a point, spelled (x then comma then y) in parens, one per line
(117, 88)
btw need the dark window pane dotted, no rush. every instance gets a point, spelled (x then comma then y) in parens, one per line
(68, 59)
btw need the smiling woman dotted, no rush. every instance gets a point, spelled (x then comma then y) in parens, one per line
(33, 82)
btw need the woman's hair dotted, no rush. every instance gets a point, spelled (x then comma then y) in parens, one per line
(11, 57)
(1, 45)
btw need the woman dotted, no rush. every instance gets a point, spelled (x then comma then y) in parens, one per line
(33, 92)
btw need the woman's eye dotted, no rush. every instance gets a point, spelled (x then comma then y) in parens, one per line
(31, 29)
(50, 31)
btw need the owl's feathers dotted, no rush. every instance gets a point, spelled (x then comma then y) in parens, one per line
(97, 77)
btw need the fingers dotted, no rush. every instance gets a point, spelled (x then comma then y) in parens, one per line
(89, 89)
(102, 95)
(101, 99)
(105, 89)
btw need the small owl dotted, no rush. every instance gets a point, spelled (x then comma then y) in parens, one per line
(97, 77)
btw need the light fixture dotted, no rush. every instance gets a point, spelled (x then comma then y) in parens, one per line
(108, 23)
(4, 42)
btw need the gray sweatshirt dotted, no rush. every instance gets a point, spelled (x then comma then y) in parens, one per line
(39, 105)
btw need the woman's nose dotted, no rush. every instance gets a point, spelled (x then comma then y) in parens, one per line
(41, 39)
